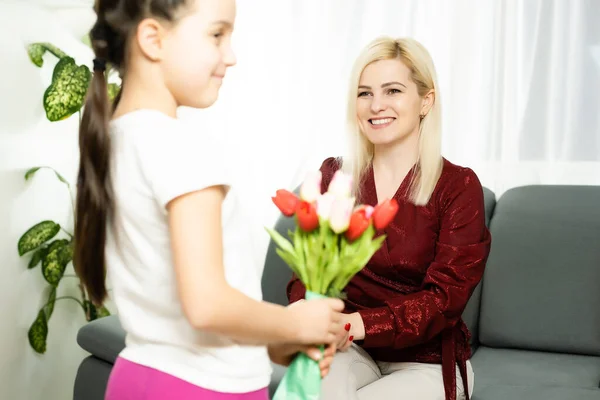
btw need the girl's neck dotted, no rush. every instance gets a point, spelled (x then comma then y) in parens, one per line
(138, 94)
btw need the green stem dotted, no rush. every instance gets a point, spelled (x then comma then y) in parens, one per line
(83, 296)
(72, 205)
(66, 183)
(54, 50)
(67, 232)
(321, 262)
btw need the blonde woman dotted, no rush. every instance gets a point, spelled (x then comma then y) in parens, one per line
(406, 338)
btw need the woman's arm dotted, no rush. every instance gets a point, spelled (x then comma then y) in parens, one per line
(461, 252)
(295, 289)
(208, 301)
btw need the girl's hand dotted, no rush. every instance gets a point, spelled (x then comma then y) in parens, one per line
(283, 354)
(317, 321)
(326, 361)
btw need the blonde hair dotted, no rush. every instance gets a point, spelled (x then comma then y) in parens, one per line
(360, 155)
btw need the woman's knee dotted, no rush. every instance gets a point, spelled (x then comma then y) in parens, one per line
(351, 370)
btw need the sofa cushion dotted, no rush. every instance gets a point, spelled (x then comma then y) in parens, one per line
(489, 200)
(277, 273)
(276, 377)
(505, 392)
(471, 313)
(92, 378)
(104, 338)
(533, 368)
(541, 285)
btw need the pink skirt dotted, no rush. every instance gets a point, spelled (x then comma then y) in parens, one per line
(131, 381)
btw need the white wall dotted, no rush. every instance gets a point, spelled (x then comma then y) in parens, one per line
(27, 139)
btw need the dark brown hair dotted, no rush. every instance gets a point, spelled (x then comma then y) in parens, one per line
(116, 22)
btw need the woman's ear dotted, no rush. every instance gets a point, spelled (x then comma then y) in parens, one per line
(427, 103)
(150, 37)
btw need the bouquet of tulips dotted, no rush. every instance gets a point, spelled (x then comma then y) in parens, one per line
(333, 240)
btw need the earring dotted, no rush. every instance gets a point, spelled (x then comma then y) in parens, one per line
(422, 116)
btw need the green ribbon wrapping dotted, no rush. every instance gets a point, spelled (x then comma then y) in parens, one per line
(302, 380)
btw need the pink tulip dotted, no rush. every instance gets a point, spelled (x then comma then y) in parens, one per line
(324, 204)
(341, 211)
(340, 185)
(311, 187)
(369, 211)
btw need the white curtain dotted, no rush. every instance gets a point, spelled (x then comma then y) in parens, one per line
(518, 79)
(519, 86)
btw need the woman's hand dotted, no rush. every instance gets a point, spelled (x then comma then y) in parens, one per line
(283, 354)
(355, 330)
(346, 340)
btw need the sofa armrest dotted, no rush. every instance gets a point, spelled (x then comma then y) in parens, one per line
(104, 338)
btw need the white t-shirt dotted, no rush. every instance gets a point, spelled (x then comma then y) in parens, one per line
(155, 159)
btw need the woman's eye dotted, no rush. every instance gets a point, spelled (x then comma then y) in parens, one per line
(394, 91)
(363, 94)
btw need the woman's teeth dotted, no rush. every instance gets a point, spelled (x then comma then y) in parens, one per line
(381, 121)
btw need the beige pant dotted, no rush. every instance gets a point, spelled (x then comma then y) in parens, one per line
(355, 376)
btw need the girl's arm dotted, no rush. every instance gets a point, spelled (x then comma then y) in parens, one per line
(211, 304)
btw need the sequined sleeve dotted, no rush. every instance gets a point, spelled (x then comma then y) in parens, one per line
(295, 290)
(462, 249)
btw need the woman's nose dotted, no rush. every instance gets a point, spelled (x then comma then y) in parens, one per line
(377, 104)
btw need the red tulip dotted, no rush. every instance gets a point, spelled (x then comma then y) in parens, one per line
(308, 220)
(384, 213)
(359, 222)
(286, 201)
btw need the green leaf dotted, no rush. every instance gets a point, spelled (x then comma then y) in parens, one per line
(300, 258)
(29, 174)
(102, 312)
(282, 242)
(61, 178)
(87, 40)
(37, 257)
(36, 52)
(66, 94)
(56, 260)
(113, 91)
(94, 312)
(49, 307)
(37, 235)
(38, 332)
(65, 255)
(288, 259)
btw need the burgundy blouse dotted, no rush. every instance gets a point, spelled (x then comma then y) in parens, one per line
(414, 289)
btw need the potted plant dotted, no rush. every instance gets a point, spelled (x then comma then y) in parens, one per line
(47, 243)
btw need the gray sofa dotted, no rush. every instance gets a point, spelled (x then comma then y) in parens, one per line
(535, 317)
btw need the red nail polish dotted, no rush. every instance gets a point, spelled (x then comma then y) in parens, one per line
(347, 327)
(351, 338)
